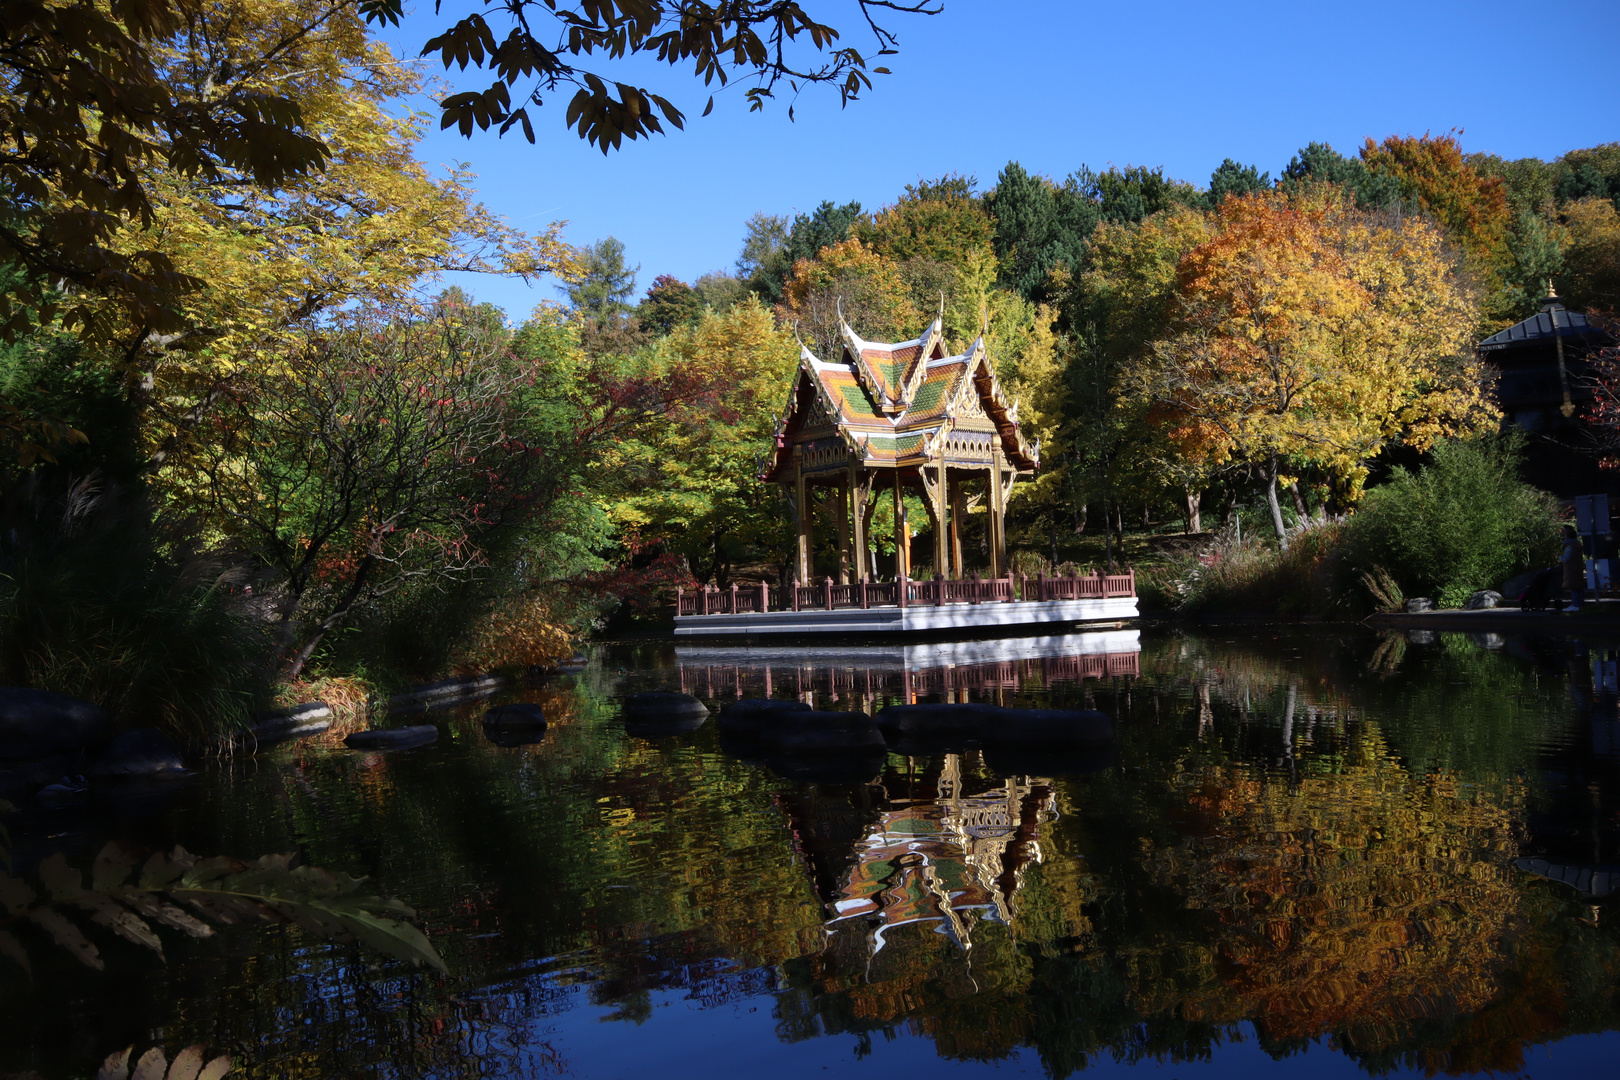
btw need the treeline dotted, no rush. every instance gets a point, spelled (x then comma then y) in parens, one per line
(1179, 348)
(249, 441)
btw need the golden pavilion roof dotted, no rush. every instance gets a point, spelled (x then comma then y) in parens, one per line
(900, 404)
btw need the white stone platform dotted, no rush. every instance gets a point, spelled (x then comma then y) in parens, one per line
(985, 618)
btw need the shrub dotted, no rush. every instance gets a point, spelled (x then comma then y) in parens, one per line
(1462, 523)
(1229, 574)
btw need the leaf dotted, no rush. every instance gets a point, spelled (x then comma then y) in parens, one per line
(151, 1066)
(15, 895)
(116, 1067)
(215, 1069)
(69, 936)
(160, 910)
(63, 882)
(11, 947)
(187, 1064)
(398, 939)
(112, 868)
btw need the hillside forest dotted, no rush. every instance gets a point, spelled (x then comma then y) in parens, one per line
(275, 450)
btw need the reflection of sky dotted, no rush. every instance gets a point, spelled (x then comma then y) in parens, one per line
(738, 1040)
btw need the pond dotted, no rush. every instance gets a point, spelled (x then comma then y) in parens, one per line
(1321, 849)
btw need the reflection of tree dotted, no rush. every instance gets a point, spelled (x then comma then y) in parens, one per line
(1358, 901)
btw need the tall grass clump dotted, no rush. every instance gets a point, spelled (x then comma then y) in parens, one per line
(100, 596)
(1252, 575)
(1463, 522)
(92, 605)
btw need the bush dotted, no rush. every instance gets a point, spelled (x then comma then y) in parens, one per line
(93, 606)
(1228, 574)
(1462, 523)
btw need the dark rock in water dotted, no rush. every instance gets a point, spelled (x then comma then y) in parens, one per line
(829, 768)
(1050, 728)
(657, 714)
(573, 665)
(19, 777)
(67, 790)
(514, 734)
(39, 723)
(1048, 761)
(663, 703)
(748, 716)
(298, 722)
(933, 729)
(139, 754)
(517, 714)
(402, 738)
(812, 732)
(450, 692)
(650, 726)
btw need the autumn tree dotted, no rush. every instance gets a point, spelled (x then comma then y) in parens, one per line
(851, 281)
(381, 452)
(688, 482)
(1307, 332)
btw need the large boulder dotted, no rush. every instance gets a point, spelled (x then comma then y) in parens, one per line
(1481, 599)
(401, 738)
(812, 732)
(935, 728)
(1054, 728)
(659, 714)
(517, 714)
(519, 724)
(748, 716)
(298, 722)
(41, 724)
(139, 754)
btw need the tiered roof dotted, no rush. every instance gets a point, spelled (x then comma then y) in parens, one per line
(891, 403)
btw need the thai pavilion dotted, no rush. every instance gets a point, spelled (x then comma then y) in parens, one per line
(887, 419)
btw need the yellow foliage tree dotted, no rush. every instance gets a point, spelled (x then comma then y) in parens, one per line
(371, 225)
(1309, 332)
(853, 278)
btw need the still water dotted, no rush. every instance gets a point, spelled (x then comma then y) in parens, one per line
(1311, 851)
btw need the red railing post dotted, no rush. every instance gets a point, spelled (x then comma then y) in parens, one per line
(828, 593)
(902, 589)
(680, 601)
(764, 596)
(705, 601)
(977, 592)
(795, 594)
(1040, 585)
(734, 598)
(863, 593)
(939, 590)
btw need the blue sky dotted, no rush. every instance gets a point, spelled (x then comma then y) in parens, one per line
(1054, 85)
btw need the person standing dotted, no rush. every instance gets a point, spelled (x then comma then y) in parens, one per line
(1574, 560)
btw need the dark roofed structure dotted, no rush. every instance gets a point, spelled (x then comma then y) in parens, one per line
(1544, 366)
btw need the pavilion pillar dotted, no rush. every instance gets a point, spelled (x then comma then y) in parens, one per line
(902, 533)
(958, 515)
(1001, 481)
(942, 551)
(846, 495)
(857, 516)
(802, 497)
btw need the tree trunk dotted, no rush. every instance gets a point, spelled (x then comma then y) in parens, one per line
(296, 665)
(1054, 541)
(1274, 506)
(1299, 501)
(1195, 524)
(1080, 519)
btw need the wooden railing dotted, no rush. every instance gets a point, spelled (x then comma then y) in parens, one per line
(828, 596)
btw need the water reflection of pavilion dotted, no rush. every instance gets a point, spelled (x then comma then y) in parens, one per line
(907, 671)
(950, 860)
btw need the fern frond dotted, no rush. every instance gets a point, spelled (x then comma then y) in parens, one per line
(271, 889)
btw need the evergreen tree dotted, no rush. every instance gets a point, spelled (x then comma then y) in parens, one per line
(1319, 162)
(605, 285)
(1230, 178)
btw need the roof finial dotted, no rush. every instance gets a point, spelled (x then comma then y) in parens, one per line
(941, 306)
(1552, 293)
(838, 303)
(984, 317)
